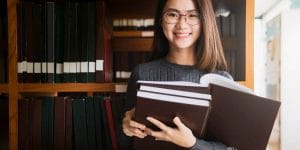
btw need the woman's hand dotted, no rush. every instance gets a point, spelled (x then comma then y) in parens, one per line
(132, 128)
(181, 135)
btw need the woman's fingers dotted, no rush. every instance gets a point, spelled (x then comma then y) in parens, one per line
(137, 125)
(157, 123)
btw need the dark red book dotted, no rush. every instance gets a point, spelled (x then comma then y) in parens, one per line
(111, 124)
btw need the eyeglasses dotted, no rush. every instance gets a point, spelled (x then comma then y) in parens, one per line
(173, 16)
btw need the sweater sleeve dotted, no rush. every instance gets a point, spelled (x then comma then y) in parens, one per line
(210, 145)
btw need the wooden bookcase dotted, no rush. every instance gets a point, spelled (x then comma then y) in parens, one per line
(13, 88)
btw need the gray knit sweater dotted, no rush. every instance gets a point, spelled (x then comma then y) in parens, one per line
(162, 70)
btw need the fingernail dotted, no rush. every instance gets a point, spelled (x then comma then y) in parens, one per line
(148, 118)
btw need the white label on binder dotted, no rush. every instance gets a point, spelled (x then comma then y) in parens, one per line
(20, 69)
(44, 67)
(99, 65)
(24, 66)
(29, 67)
(50, 67)
(59, 68)
(92, 67)
(37, 67)
(78, 67)
(66, 67)
(73, 67)
(118, 74)
(84, 67)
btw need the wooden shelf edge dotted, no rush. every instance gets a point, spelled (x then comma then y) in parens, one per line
(3, 88)
(133, 33)
(67, 87)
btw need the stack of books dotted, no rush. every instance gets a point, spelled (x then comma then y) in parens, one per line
(217, 109)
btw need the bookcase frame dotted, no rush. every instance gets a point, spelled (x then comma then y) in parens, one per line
(13, 88)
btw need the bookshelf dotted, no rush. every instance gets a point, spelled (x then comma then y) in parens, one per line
(131, 41)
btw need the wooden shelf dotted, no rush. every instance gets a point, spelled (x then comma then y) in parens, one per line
(3, 88)
(118, 34)
(67, 87)
(132, 44)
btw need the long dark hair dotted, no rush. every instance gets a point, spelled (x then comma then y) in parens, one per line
(209, 50)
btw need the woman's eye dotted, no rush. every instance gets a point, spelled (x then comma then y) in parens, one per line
(172, 15)
(193, 15)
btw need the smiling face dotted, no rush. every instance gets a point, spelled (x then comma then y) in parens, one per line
(183, 34)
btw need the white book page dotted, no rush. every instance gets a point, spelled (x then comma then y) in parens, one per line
(175, 92)
(223, 81)
(174, 99)
(179, 83)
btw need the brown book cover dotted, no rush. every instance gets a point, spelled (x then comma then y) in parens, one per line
(239, 119)
(157, 105)
(111, 124)
(59, 123)
(69, 124)
(100, 18)
(23, 122)
(236, 118)
(35, 123)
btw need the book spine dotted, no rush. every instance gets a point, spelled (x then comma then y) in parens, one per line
(100, 42)
(29, 43)
(91, 41)
(59, 38)
(111, 124)
(80, 127)
(23, 124)
(69, 124)
(59, 123)
(21, 41)
(90, 120)
(50, 40)
(47, 123)
(82, 35)
(35, 123)
(73, 53)
(98, 124)
(37, 48)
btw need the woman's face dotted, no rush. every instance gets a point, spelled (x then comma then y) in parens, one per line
(181, 34)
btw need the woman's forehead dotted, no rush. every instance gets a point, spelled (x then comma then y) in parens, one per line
(180, 5)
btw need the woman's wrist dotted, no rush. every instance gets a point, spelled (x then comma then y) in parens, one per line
(191, 142)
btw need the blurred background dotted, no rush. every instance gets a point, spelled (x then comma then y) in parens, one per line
(276, 66)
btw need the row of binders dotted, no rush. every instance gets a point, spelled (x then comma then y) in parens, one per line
(3, 42)
(217, 109)
(64, 123)
(63, 42)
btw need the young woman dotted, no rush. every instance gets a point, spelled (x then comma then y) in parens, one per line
(186, 46)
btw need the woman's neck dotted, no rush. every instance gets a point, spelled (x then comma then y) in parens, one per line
(181, 57)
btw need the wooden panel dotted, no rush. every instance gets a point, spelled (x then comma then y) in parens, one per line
(132, 44)
(249, 43)
(3, 88)
(67, 87)
(12, 74)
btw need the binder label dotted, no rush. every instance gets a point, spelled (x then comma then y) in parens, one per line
(84, 67)
(66, 67)
(50, 68)
(92, 67)
(99, 65)
(73, 67)
(44, 67)
(29, 67)
(59, 68)
(37, 67)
